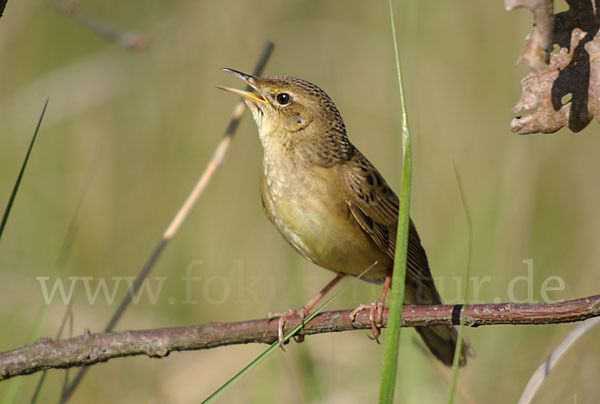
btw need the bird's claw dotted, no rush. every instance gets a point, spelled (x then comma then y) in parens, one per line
(282, 319)
(375, 315)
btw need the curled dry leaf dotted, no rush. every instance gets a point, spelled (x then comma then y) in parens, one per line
(567, 90)
(539, 41)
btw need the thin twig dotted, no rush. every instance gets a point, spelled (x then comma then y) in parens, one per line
(127, 39)
(89, 349)
(214, 163)
(542, 372)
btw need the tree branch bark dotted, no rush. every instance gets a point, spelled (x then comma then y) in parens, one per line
(89, 349)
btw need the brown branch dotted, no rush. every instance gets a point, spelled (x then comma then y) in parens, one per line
(89, 349)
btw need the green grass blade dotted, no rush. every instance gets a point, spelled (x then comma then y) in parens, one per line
(13, 195)
(14, 387)
(267, 352)
(391, 345)
(461, 327)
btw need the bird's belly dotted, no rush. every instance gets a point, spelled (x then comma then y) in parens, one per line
(321, 228)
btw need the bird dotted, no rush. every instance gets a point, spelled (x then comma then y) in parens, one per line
(331, 204)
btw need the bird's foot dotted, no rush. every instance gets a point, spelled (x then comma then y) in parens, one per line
(283, 318)
(375, 316)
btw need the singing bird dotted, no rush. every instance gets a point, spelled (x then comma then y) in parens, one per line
(330, 203)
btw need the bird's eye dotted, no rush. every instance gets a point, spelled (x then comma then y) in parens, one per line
(283, 98)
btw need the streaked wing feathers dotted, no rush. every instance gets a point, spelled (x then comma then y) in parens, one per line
(375, 207)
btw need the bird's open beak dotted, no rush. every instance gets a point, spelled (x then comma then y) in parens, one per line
(258, 96)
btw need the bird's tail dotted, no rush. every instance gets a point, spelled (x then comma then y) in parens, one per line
(440, 339)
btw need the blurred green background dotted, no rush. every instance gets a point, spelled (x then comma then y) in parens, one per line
(127, 134)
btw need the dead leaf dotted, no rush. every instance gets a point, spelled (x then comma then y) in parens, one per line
(567, 90)
(539, 41)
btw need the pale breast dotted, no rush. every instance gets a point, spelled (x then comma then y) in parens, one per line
(308, 207)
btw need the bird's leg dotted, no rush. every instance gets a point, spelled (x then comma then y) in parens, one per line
(303, 312)
(375, 308)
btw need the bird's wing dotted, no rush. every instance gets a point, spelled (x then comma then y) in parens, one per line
(374, 206)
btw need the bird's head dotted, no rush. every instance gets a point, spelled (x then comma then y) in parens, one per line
(293, 113)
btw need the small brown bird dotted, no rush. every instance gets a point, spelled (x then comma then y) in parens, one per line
(330, 203)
